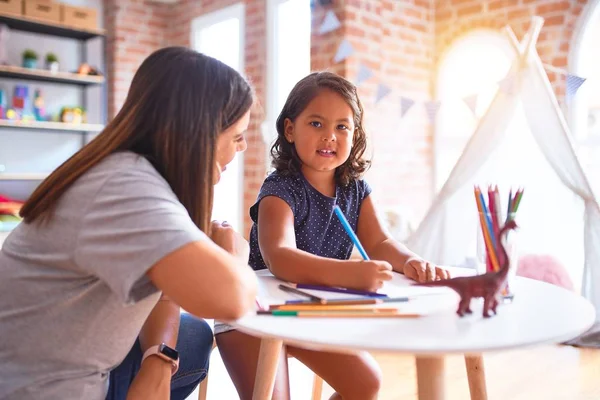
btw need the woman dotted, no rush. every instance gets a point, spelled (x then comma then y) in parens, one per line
(125, 218)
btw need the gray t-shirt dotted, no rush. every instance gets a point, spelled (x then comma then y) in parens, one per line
(74, 294)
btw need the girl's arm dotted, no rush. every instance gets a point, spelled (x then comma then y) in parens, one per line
(277, 242)
(380, 245)
(377, 242)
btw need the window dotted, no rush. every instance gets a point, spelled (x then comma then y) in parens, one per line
(220, 34)
(288, 56)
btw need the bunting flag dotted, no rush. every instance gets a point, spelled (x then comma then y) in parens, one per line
(471, 102)
(432, 108)
(573, 84)
(364, 73)
(344, 51)
(405, 105)
(382, 91)
(330, 23)
(507, 85)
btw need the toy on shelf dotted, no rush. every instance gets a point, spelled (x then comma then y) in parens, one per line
(72, 115)
(3, 104)
(9, 213)
(489, 286)
(38, 106)
(30, 58)
(86, 69)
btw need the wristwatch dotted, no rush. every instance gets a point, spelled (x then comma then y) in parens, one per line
(166, 353)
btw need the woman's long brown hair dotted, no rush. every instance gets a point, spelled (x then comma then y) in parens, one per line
(178, 103)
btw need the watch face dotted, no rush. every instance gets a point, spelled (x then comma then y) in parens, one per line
(169, 352)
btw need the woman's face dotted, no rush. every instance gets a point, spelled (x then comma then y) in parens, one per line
(229, 142)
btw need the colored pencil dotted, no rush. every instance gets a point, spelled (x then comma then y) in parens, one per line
(350, 232)
(356, 301)
(302, 293)
(339, 290)
(486, 231)
(518, 197)
(336, 314)
(326, 307)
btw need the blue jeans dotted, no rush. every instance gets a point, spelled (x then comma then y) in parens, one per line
(194, 344)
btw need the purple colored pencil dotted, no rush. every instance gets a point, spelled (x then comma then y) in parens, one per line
(340, 290)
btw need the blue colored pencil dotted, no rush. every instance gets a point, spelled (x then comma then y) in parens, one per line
(350, 232)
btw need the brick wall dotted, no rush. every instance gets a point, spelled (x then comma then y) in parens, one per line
(137, 27)
(394, 39)
(399, 40)
(134, 30)
(457, 17)
(255, 70)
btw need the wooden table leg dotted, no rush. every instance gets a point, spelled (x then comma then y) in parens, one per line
(476, 376)
(430, 377)
(266, 369)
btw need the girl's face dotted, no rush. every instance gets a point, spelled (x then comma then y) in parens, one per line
(229, 142)
(323, 132)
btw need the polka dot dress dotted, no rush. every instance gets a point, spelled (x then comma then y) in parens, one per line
(318, 230)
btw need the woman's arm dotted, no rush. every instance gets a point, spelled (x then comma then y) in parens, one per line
(153, 381)
(277, 241)
(206, 280)
(162, 325)
(379, 245)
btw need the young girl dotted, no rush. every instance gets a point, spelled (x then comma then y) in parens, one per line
(318, 160)
(126, 217)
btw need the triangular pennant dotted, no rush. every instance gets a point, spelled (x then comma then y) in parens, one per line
(432, 108)
(344, 51)
(330, 23)
(507, 85)
(574, 82)
(364, 73)
(471, 102)
(382, 91)
(405, 105)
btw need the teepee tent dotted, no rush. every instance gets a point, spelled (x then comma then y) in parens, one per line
(558, 194)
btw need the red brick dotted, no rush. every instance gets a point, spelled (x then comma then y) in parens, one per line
(520, 13)
(554, 20)
(552, 8)
(470, 10)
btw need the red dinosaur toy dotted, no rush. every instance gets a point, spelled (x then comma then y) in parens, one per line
(489, 285)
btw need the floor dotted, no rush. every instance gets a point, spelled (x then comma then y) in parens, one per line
(544, 373)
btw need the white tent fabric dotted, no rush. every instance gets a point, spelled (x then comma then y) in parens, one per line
(532, 95)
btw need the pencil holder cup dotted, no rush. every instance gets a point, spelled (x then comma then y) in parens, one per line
(490, 257)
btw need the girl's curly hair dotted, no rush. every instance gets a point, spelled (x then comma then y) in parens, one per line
(285, 158)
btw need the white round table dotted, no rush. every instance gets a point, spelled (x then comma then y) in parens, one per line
(540, 313)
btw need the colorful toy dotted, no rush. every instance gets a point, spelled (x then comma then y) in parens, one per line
(38, 106)
(488, 286)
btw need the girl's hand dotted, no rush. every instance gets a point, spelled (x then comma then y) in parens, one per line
(423, 271)
(368, 275)
(229, 240)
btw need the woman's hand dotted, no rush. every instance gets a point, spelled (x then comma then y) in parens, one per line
(423, 271)
(229, 240)
(152, 382)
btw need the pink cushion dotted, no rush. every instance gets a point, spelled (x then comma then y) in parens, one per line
(544, 268)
